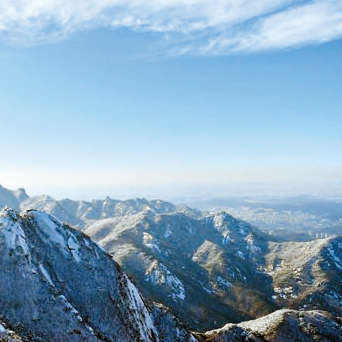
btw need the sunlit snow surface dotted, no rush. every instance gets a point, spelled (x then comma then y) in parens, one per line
(49, 247)
(51, 230)
(139, 310)
(336, 259)
(157, 273)
(14, 235)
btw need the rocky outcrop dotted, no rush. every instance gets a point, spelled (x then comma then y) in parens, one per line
(58, 285)
(281, 326)
(307, 275)
(7, 335)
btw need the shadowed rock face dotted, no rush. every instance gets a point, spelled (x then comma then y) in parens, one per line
(281, 326)
(58, 285)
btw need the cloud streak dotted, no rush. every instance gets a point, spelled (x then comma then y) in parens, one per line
(198, 27)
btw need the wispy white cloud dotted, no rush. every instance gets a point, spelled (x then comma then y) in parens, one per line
(192, 26)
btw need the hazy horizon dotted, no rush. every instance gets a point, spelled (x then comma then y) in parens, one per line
(125, 97)
(191, 194)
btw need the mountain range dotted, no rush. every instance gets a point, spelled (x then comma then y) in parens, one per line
(56, 284)
(206, 268)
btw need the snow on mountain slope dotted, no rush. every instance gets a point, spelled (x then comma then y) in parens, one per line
(307, 275)
(237, 271)
(84, 213)
(58, 285)
(165, 253)
(7, 335)
(202, 265)
(281, 326)
(12, 198)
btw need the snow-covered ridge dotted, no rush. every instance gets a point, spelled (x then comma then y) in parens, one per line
(158, 274)
(84, 213)
(72, 288)
(12, 232)
(176, 255)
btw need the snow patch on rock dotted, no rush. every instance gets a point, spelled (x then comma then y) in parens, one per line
(168, 232)
(74, 247)
(224, 282)
(49, 228)
(46, 275)
(158, 274)
(336, 259)
(136, 304)
(14, 235)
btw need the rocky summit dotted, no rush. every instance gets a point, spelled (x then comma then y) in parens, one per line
(281, 326)
(58, 285)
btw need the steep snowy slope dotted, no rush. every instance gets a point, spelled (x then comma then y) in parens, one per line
(58, 285)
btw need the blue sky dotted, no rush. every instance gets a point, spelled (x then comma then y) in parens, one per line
(132, 95)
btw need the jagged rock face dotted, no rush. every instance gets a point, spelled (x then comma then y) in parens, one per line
(281, 326)
(58, 285)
